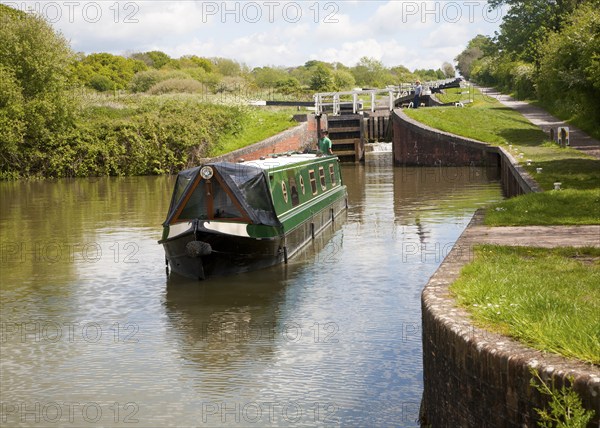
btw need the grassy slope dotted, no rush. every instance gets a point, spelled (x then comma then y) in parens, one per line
(529, 293)
(502, 289)
(259, 125)
(488, 121)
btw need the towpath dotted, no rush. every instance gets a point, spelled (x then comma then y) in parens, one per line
(578, 139)
(530, 236)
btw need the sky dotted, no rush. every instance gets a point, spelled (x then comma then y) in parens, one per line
(416, 34)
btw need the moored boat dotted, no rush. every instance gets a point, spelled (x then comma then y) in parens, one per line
(228, 218)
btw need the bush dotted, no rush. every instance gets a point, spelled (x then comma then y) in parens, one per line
(145, 80)
(170, 86)
(101, 83)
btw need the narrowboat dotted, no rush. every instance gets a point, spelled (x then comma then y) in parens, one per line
(228, 218)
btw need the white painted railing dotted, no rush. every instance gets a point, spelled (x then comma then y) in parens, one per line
(389, 95)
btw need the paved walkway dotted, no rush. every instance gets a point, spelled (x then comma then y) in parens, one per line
(529, 236)
(577, 138)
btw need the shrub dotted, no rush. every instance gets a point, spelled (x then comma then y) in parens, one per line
(170, 86)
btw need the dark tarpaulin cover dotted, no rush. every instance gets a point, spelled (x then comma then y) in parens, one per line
(247, 183)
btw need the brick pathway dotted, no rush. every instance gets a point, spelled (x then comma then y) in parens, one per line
(539, 117)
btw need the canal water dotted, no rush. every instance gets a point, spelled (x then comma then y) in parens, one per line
(94, 334)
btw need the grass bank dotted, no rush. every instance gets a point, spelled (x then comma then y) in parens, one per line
(529, 294)
(489, 121)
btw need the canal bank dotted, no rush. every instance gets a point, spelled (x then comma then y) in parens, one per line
(473, 377)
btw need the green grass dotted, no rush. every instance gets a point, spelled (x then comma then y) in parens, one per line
(548, 299)
(258, 125)
(565, 207)
(488, 121)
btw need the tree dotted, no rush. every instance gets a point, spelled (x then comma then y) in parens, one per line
(527, 24)
(153, 59)
(476, 48)
(266, 77)
(104, 71)
(370, 72)
(288, 86)
(36, 75)
(343, 80)
(448, 70)
(570, 61)
(227, 67)
(321, 79)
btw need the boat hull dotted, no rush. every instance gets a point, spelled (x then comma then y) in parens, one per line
(188, 255)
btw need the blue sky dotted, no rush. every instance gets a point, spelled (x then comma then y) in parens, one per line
(416, 34)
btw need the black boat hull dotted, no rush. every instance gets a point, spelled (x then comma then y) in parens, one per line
(223, 254)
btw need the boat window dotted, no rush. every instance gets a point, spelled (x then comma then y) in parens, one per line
(302, 185)
(322, 177)
(196, 204)
(332, 174)
(284, 190)
(294, 191)
(223, 206)
(313, 181)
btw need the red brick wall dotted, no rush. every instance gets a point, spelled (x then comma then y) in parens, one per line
(295, 139)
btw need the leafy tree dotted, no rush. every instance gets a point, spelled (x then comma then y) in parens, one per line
(104, 71)
(288, 86)
(476, 48)
(193, 61)
(36, 77)
(321, 79)
(402, 74)
(343, 80)
(370, 72)
(448, 70)
(227, 67)
(527, 24)
(153, 59)
(569, 68)
(266, 77)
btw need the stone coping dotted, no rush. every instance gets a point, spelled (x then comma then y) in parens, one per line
(438, 303)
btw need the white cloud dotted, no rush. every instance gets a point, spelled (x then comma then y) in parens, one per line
(445, 35)
(419, 33)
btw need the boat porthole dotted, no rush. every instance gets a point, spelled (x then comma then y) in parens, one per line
(284, 190)
(302, 185)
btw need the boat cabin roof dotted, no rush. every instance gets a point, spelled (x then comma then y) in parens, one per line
(277, 161)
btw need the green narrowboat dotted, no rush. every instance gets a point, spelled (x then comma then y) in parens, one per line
(227, 218)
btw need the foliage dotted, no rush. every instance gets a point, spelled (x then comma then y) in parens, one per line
(35, 71)
(153, 59)
(370, 73)
(156, 136)
(288, 86)
(104, 71)
(321, 79)
(343, 80)
(266, 77)
(566, 409)
(545, 50)
(448, 70)
(170, 86)
(569, 70)
(476, 48)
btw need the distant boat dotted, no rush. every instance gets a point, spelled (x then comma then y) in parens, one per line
(227, 218)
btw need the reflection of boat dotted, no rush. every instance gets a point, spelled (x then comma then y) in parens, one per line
(229, 218)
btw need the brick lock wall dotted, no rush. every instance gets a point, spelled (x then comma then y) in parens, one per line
(295, 139)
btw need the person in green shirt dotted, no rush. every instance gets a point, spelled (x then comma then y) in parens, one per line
(324, 146)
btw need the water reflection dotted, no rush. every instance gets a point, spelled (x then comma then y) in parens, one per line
(332, 338)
